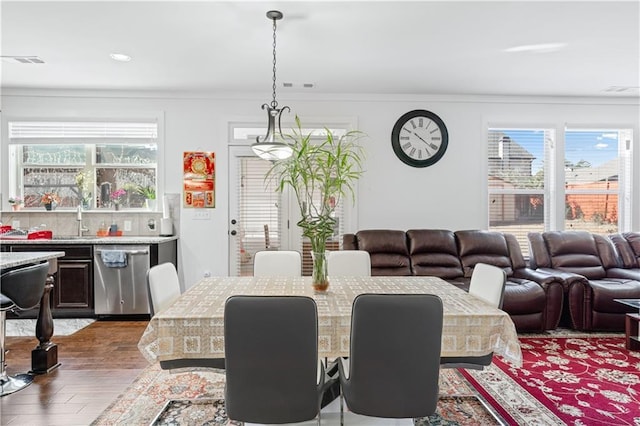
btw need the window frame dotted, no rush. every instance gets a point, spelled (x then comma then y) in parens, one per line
(11, 181)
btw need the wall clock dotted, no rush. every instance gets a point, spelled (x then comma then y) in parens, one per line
(419, 138)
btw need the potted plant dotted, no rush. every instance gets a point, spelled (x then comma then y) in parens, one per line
(84, 182)
(149, 194)
(16, 203)
(321, 173)
(50, 200)
(117, 197)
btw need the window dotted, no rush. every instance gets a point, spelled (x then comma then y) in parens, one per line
(83, 162)
(518, 196)
(526, 189)
(594, 179)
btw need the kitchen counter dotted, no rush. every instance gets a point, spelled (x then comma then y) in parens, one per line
(94, 240)
(13, 259)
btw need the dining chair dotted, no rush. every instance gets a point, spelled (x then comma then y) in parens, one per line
(487, 283)
(349, 263)
(22, 290)
(394, 362)
(273, 374)
(163, 285)
(283, 263)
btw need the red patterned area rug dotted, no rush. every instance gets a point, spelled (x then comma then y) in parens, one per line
(585, 380)
(196, 398)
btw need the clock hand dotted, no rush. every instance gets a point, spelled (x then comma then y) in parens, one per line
(430, 145)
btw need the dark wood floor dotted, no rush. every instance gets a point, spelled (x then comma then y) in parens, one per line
(98, 363)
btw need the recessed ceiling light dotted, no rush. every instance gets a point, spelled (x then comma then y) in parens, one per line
(120, 57)
(537, 48)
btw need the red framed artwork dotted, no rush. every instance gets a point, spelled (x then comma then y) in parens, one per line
(199, 180)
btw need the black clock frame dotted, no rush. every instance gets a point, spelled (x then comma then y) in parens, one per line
(395, 138)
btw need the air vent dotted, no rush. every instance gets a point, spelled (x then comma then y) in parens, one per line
(22, 59)
(289, 85)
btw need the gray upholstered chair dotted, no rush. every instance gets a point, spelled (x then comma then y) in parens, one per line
(282, 263)
(272, 367)
(163, 285)
(21, 290)
(394, 362)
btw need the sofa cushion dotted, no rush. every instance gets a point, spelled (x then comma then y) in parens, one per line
(434, 252)
(489, 247)
(604, 291)
(387, 249)
(574, 251)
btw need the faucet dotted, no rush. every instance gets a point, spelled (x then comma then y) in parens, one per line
(81, 229)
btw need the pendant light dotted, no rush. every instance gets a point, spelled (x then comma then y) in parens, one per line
(272, 146)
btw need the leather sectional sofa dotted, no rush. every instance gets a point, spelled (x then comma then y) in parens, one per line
(533, 299)
(593, 274)
(628, 247)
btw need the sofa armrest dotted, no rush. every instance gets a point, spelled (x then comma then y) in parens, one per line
(631, 274)
(541, 277)
(566, 278)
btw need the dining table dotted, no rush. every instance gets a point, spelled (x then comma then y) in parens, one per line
(192, 328)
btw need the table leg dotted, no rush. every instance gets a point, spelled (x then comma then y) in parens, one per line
(44, 357)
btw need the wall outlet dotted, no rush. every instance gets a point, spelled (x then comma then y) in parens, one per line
(15, 224)
(127, 225)
(202, 214)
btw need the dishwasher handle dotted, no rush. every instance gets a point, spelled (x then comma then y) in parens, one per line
(129, 252)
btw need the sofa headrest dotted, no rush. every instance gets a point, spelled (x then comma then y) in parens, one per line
(432, 241)
(628, 248)
(382, 241)
(434, 252)
(633, 238)
(477, 246)
(481, 242)
(574, 251)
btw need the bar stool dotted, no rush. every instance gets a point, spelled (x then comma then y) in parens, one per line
(21, 290)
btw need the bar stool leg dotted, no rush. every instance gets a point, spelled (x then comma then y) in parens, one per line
(9, 385)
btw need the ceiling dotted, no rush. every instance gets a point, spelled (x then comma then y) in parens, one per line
(340, 47)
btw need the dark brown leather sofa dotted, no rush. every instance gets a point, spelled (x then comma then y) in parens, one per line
(628, 248)
(588, 265)
(532, 299)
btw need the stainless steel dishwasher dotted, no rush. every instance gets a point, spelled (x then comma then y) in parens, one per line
(121, 290)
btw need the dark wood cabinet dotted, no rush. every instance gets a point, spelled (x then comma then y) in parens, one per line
(72, 294)
(72, 290)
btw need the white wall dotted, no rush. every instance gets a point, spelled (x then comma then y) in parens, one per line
(450, 194)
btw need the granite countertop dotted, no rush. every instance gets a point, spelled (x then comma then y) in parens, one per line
(13, 259)
(95, 240)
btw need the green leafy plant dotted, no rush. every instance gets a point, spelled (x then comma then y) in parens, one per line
(321, 173)
(148, 192)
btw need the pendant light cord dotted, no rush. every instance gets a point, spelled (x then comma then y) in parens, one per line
(274, 103)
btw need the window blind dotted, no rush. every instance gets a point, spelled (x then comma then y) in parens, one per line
(82, 129)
